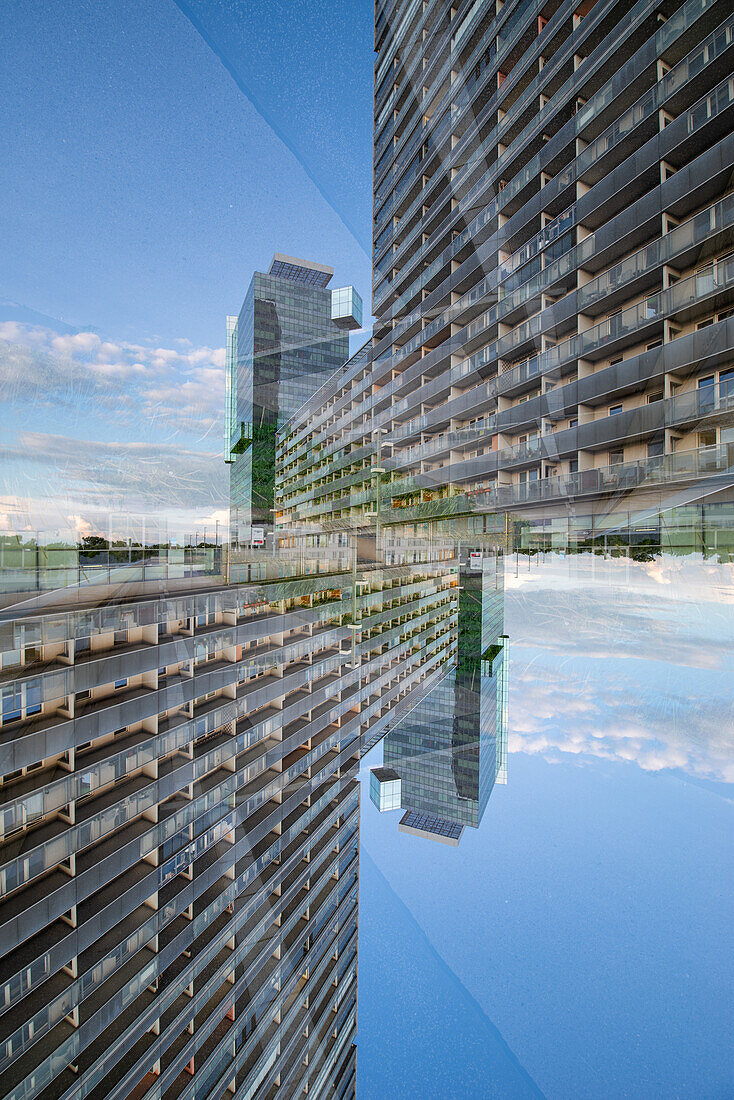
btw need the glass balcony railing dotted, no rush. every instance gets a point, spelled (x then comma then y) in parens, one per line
(684, 72)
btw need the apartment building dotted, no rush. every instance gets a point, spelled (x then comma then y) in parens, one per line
(178, 859)
(180, 732)
(553, 271)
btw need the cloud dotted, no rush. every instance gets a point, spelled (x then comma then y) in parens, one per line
(67, 486)
(182, 387)
(155, 412)
(619, 661)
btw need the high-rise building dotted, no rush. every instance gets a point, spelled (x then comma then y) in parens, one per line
(554, 276)
(452, 747)
(180, 730)
(179, 830)
(291, 335)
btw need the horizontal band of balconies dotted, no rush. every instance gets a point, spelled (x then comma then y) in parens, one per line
(628, 327)
(200, 961)
(105, 667)
(78, 991)
(77, 886)
(90, 621)
(54, 736)
(701, 409)
(613, 145)
(632, 425)
(76, 569)
(712, 466)
(634, 273)
(124, 1040)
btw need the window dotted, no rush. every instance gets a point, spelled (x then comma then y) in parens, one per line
(573, 422)
(616, 458)
(573, 466)
(121, 683)
(614, 409)
(33, 697)
(655, 448)
(12, 705)
(654, 344)
(706, 392)
(707, 438)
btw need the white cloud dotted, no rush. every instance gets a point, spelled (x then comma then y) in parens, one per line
(184, 388)
(619, 661)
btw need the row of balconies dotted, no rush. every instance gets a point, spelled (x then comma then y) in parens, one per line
(680, 130)
(595, 387)
(312, 868)
(672, 192)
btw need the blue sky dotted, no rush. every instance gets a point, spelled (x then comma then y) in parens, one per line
(587, 919)
(161, 152)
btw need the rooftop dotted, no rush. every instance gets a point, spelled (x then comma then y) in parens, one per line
(431, 827)
(300, 271)
(385, 775)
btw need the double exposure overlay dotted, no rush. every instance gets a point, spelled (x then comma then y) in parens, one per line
(429, 667)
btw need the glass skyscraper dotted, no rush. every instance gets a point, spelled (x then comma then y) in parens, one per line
(452, 747)
(291, 335)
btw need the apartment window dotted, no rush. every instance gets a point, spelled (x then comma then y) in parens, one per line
(573, 422)
(12, 706)
(617, 359)
(573, 466)
(655, 448)
(33, 697)
(616, 458)
(614, 409)
(654, 344)
(121, 683)
(706, 323)
(707, 392)
(707, 438)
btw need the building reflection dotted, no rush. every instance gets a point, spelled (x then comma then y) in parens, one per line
(442, 761)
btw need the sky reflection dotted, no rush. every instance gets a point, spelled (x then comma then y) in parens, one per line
(624, 660)
(587, 917)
